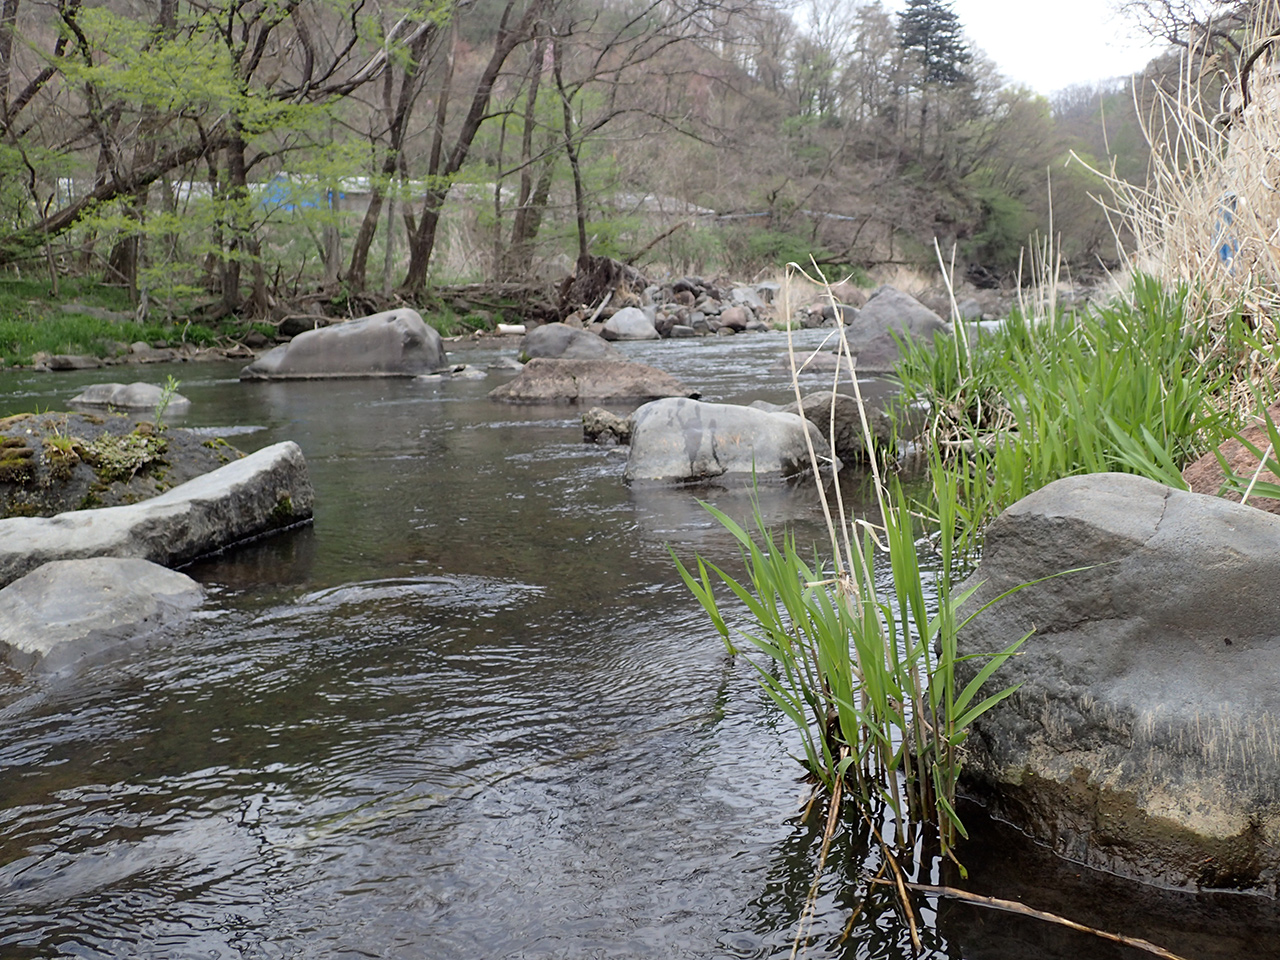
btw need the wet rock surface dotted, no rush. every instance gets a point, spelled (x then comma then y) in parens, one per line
(68, 610)
(1143, 739)
(262, 492)
(679, 440)
(544, 380)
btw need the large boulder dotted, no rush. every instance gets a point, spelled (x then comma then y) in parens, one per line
(263, 492)
(395, 343)
(131, 396)
(1142, 739)
(54, 462)
(679, 441)
(70, 609)
(561, 342)
(544, 380)
(890, 313)
(630, 323)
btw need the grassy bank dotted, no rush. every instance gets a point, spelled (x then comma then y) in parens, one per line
(1136, 386)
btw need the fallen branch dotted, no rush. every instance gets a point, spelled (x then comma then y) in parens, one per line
(1013, 906)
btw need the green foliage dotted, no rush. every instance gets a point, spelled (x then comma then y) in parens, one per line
(162, 405)
(866, 678)
(1114, 389)
(121, 456)
(1003, 227)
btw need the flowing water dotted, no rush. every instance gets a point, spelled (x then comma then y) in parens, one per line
(471, 712)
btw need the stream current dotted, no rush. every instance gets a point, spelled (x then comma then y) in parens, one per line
(471, 712)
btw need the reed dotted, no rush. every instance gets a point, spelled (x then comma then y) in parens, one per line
(865, 674)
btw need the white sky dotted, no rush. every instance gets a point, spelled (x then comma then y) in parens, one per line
(1051, 44)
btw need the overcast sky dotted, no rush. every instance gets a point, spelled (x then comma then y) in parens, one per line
(1051, 44)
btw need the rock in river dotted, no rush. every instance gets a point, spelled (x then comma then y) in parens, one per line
(265, 491)
(562, 342)
(392, 344)
(679, 441)
(70, 609)
(544, 380)
(54, 462)
(1145, 738)
(130, 396)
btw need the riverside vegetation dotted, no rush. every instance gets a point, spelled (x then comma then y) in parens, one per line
(867, 674)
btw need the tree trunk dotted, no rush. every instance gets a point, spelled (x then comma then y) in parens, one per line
(422, 242)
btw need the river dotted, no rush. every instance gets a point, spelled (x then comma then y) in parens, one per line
(471, 712)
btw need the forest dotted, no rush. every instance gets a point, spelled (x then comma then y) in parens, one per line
(251, 155)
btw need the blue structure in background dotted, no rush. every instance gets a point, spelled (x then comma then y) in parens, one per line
(284, 193)
(1224, 240)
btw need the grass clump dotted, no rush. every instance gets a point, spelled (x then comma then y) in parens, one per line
(1133, 387)
(865, 675)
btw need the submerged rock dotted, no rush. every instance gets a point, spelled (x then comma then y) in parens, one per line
(263, 492)
(68, 610)
(544, 380)
(396, 343)
(680, 441)
(1143, 739)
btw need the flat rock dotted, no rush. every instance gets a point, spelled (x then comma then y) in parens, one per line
(544, 380)
(396, 343)
(67, 610)
(246, 498)
(130, 396)
(678, 440)
(562, 342)
(1143, 738)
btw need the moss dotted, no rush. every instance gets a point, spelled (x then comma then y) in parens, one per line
(282, 513)
(121, 457)
(16, 460)
(226, 453)
(60, 457)
(7, 422)
(24, 509)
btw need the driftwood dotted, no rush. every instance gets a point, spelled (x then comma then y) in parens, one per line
(597, 278)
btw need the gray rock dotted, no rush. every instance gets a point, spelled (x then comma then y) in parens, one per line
(849, 443)
(68, 610)
(1143, 738)
(68, 361)
(560, 342)
(263, 492)
(678, 441)
(630, 323)
(680, 330)
(392, 344)
(544, 380)
(132, 396)
(890, 311)
(605, 428)
(746, 296)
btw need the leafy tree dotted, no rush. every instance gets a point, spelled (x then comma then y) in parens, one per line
(932, 31)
